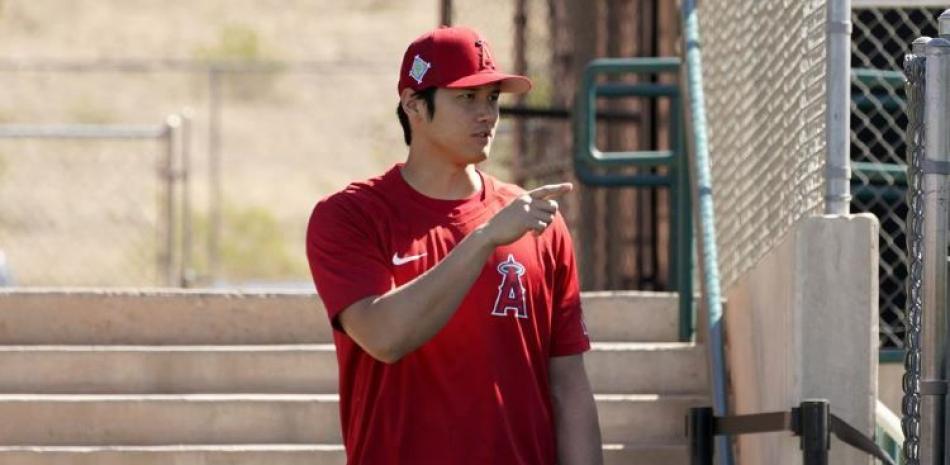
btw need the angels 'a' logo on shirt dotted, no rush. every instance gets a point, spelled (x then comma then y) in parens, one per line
(511, 290)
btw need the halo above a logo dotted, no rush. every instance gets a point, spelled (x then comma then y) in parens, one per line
(419, 69)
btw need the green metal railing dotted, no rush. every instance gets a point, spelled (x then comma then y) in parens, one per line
(592, 166)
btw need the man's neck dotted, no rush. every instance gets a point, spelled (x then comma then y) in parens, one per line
(438, 178)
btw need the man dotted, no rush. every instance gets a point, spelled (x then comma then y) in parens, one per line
(453, 296)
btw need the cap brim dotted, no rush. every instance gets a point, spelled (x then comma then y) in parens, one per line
(510, 83)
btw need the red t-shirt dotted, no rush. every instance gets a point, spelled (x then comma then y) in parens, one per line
(477, 392)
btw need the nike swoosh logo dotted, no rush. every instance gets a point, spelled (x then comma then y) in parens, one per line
(397, 260)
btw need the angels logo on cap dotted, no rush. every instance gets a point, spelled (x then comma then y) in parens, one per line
(455, 58)
(484, 55)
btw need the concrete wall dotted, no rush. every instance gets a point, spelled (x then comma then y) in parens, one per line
(889, 388)
(803, 324)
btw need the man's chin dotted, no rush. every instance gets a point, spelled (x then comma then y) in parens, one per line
(476, 157)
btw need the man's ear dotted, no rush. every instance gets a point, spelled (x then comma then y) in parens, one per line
(411, 105)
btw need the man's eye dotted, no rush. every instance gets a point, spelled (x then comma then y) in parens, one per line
(495, 97)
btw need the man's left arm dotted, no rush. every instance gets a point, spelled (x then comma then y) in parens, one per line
(575, 413)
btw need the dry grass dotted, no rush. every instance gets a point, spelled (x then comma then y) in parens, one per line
(288, 139)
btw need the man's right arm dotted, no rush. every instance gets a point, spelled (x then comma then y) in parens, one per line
(394, 324)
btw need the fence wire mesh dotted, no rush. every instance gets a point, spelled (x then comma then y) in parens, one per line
(278, 138)
(880, 39)
(764, 79)
(303, 102)
(67, 219)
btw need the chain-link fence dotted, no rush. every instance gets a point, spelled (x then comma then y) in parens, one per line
(927, 69)
(290, 104)
(267, 141)
(764, 80)
(66, 219)
(881, 37)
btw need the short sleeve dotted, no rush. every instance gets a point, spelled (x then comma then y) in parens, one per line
(569, 331)
(346, 261)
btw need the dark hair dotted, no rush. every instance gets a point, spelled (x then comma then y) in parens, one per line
(428, 96)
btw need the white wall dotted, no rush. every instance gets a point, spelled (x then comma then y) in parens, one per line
(803, 324)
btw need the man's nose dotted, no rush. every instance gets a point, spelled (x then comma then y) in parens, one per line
(487, 111)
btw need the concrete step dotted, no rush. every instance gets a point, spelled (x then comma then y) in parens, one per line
(645, 418)
(646, 454)
(631, 316)
(672, 368)
(160, 317)
(114, 420)
(218, 454)
(183, 317)
(48, 420)
(258, 369)
(272, 454)
(645, 367)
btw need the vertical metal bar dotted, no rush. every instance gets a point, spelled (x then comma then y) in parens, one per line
(934, 274)
(186, 272)
(171, 141)
(838, 114)
(521, 68)
(673, 253)
(943, 24)
(682, 240)
(816, 435)
(161, 229)
(648, 45)
(705, 206)
(214, 173)
(445, 10)
(701, 430)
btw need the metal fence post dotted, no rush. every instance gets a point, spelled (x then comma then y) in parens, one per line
(214, 175)
(936, 168)
(168, 270)
(186, 274)
(934, 247)
(943, 24)
(838, 114)
(701, 429)
(816, 435)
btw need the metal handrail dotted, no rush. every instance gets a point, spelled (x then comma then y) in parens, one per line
(589, 160)
(175, 255)
(706, 215)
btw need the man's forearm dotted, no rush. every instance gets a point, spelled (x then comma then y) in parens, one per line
(408, 316)
(578, 432)
(575, 413)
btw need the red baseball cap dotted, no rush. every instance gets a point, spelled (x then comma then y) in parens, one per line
(454, 57)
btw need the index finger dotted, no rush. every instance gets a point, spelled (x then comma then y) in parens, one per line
(551, 191)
